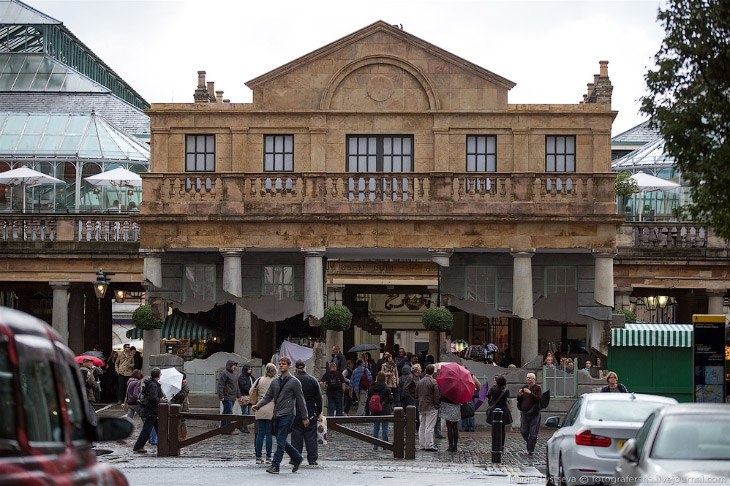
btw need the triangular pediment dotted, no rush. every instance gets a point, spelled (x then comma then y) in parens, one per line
(383, 68)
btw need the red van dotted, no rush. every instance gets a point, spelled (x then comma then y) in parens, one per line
(45, 428)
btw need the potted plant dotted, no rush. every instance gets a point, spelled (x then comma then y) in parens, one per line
(336, 317)
(439, 319)
(145, 318)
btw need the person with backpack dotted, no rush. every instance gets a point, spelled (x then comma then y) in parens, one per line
(149, 400)
(528, 402)
(380, 402)
(360, 384)
(334, 385)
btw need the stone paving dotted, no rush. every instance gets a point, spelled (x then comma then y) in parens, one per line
(474, 448)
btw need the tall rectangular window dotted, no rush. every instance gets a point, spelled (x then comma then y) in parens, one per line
(379, 153)
(278, 281)
(199, 282)
(480, 284)
(278, 153)
(200, 153)
(560, 153)
(560, 279)
(481, 153)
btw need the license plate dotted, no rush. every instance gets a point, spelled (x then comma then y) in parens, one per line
(621, 443)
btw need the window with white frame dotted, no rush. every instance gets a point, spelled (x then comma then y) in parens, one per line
(379, 153)
(278, 153)
(560, 153)
(199, 283)
(200, 153)
(480, 284)
(278, 281)
(560, 279)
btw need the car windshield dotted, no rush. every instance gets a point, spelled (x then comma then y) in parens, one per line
(620, 410)
(693, 437)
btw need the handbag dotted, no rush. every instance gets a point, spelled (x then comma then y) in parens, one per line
(467, 410)
(254, 393)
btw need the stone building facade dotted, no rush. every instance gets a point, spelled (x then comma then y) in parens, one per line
(382, 164)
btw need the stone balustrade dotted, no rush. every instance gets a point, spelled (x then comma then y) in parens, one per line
(69, 227)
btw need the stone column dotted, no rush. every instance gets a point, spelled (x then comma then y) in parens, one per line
(714, 301)
(332, 338)
(522, 301)
(232, 282)
(60, 309)
(76, 319)
(153, 266)
(603, 295)
(313, 284)
(242, 339)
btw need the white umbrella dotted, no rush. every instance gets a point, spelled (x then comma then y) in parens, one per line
(25, 177)
(171, 382)
(647, 182)
(117, 178)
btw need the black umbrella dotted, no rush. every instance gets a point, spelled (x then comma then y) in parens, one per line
(97, 354)
(363, 347)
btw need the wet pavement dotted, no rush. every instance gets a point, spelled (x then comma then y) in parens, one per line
(474, 450)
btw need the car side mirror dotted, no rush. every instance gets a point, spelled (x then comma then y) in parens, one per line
(628, 451)
(553, 422)
(112, 428)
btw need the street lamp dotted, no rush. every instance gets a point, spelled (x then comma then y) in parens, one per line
(119, 296)
(100, 285)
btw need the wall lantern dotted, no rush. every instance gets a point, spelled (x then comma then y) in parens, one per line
(100, 285)
(650, 302)
(119, 296)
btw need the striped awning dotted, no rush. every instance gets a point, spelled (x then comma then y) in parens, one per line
(660, 335)
(178, 327)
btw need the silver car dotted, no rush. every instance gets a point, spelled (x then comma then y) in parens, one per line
(585, 448)
(681, 444)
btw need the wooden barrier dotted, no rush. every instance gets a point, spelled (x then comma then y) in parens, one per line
(404, 429)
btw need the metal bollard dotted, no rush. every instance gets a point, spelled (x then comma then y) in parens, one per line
(497, 436)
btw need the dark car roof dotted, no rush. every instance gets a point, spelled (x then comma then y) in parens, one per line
(22, 323)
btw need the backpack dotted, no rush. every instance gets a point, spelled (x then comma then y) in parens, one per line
(142, 398)
(545, 399)
(375, 405)
(364, 381)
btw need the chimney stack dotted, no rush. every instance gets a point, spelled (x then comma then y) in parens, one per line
(601, 89)
(219, 96)
(201, 93)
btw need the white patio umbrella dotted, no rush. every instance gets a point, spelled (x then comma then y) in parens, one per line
(117, 178)
(170, 381)
(26, 177)
(647, 182)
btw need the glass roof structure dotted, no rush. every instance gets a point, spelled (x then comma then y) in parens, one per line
(651, 158)
(24, 30)
(67, 136)
(37, 72)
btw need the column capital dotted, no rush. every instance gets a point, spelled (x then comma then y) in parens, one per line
(151, 252)
(232, 252)
(314, 252)
(604, 253)
(441, 256)
(60, 285)
(522, 253)
(716, 292)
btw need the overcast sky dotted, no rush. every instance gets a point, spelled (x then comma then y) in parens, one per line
(550, 49)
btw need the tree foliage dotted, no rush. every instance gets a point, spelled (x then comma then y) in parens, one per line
(337, 317)
(438, 319)
(625, 187)
(689, 102)
(144, 318)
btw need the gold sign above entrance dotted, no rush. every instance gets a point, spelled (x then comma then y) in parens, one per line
(382, 272)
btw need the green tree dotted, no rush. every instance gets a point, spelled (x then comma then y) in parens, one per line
(689, 102)
(625, 187)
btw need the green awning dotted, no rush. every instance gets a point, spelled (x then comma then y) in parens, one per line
(177, 327)
(658, 335)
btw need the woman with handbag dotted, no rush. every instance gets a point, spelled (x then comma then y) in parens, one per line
(497, 398)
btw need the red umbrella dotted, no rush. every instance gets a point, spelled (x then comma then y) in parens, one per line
(96, 361)
(455, 383)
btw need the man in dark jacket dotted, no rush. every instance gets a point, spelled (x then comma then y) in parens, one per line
(245, 380)
(228, 391)
(528, 402)
(334, 384)
(301, 435)
(149, 400)
(286, 393)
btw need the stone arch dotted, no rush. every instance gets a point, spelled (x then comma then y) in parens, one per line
(326, 101)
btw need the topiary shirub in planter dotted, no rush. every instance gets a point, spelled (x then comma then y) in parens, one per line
(437, 319)
(336, 317)
(145, 318)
